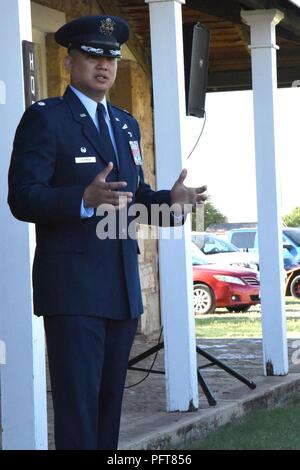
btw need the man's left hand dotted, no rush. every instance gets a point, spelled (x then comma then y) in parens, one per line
(185, 197)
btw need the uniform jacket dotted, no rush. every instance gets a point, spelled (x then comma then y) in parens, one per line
(74, 272)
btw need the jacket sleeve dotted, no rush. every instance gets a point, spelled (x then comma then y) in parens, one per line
(31, 196)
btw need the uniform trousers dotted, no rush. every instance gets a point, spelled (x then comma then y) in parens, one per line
(88, 359)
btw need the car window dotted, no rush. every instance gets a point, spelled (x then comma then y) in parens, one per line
(243, 239)
(294, 235)
(216, 245)
(198, 239)
(197, 255)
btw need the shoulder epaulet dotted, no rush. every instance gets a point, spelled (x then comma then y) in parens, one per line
(122, 110)
(48, 103)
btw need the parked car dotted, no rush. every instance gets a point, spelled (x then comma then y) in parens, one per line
(221, 251)
(247, 239)
(292, 283)
(223, 286)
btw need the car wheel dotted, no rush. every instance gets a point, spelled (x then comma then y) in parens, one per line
(239, 308)
(204, 299)
(295, 287)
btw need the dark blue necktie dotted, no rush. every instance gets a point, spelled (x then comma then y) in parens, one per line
(105, 136)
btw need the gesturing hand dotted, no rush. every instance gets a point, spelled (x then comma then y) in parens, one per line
(101, 192)
(184, 197)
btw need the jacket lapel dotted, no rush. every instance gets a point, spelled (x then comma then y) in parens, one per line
(89, 129)
(122, 137)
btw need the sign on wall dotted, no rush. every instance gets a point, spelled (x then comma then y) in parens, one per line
(31, 85)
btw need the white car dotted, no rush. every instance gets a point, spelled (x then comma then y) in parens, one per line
(222, 252)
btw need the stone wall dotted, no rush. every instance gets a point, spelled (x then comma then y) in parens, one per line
(132, 91)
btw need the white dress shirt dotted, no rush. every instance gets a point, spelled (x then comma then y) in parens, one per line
(91, 107)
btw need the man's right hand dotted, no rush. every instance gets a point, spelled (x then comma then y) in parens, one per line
(101, 192)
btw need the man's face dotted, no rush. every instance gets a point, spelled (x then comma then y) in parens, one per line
(93, 76)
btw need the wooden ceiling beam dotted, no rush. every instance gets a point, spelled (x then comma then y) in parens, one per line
(225, 9)
(230, 10)
(241, 79)
(244, 34)
(133, 43)
(291, 21)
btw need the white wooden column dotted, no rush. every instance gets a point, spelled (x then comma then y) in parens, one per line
(175, 259)
(264, 77)
(23, 382)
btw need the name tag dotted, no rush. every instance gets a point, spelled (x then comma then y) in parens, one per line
(85, 159)
(135, 150)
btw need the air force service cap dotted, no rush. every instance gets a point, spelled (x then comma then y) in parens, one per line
(95, 35)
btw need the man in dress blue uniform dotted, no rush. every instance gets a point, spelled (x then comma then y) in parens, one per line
(71, 155)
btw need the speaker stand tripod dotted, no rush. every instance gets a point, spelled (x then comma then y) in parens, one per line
(212, 362)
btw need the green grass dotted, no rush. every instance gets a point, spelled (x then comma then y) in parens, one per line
(276, 429)
(223, 324)
(271, 429)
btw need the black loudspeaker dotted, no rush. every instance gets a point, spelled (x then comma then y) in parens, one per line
(196, 40)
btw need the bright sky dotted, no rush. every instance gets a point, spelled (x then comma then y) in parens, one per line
(296, 2)
(225, 158)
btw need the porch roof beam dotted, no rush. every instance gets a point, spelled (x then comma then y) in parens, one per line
(230, 10)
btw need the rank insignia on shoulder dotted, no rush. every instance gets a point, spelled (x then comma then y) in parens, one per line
(125, 126)
(41, 103)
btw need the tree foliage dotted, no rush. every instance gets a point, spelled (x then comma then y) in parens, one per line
(211, 215)
(293, 218)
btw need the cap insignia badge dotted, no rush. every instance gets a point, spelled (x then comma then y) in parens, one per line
(107, 26)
